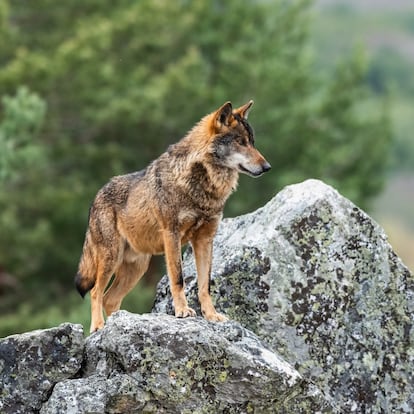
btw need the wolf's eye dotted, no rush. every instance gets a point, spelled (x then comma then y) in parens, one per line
(241, 141)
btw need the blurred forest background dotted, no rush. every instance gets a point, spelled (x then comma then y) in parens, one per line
(99, 88)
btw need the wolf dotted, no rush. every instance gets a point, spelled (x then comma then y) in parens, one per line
(179, 198)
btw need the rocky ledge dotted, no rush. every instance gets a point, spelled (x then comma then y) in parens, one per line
(321, 315)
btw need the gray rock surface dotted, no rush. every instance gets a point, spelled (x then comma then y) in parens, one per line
(160, 364)
(32, 363)
(315, 278)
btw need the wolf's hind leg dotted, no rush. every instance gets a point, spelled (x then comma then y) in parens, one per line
(102, 280)
(126, 277)
(107, 263)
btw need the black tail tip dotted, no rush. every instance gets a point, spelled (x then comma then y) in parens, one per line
(82, 287)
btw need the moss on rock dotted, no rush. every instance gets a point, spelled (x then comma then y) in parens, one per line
(315, 278)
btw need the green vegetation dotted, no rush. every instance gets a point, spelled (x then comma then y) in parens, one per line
(386, 31)
(23, 116)
(388, 36)
(99, 88)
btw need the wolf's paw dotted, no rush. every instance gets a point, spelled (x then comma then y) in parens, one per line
(96, 326)
(215, 317)
(185, 312)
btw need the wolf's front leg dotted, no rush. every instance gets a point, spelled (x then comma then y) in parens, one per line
(172, 249)
(202, 243)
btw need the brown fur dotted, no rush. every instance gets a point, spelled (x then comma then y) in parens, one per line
(178, 198)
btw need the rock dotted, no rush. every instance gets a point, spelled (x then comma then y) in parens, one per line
(322, 322)
(32, 363)
(315, 278)
(160, 364)
(96, 394)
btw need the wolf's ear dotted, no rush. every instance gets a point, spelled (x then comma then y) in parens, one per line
(243, 111)
(223, 115)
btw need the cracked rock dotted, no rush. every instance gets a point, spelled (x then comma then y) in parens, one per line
(315, 278)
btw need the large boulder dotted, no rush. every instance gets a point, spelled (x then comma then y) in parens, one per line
(32, 363)
(160, 364)
(321, 315)
(315, 278)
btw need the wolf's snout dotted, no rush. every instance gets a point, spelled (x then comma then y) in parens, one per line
(266, 167)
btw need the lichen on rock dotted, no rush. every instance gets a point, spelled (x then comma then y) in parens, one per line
(160, 364)
(329, 295)
(321, 315)
(32, 363)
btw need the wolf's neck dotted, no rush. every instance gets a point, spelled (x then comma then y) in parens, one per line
(210, 184)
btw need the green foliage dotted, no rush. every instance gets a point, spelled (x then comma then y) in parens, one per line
(388, 34)
(23, 116)
(21, 151)
(122, 80)
(351, 136)
(27, 315)
(390, 70)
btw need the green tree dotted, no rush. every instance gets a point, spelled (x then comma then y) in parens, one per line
(347, 143)
(21, 156)
(23, 115)
(122, 80)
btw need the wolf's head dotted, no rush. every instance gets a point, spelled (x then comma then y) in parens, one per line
(232, 141)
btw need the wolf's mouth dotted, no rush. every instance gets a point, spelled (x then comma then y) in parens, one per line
(252, 173)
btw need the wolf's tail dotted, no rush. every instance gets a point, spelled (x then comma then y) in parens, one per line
(83, 283)
(86, 277)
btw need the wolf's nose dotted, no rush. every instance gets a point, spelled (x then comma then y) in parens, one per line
(266, 167)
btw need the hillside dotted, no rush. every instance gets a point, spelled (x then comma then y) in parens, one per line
(384, 30)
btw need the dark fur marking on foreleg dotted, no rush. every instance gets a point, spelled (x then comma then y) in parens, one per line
(180, 280)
